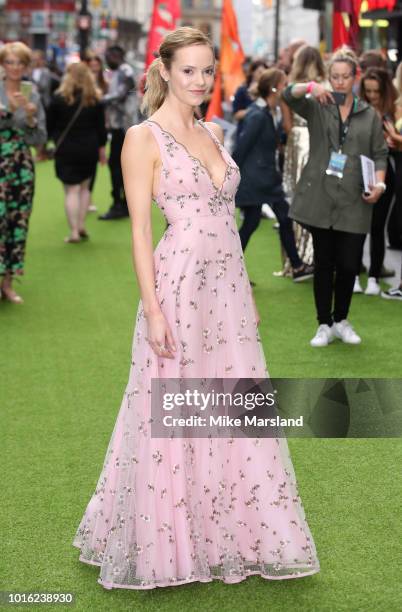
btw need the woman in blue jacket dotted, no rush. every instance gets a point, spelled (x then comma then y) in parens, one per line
(261, 182)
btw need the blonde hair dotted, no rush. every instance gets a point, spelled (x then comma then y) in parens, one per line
(155, 87)
(344, 55)
(307, 65)
(79, 81)
(17, 48)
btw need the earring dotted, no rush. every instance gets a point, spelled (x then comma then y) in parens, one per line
(274, 90)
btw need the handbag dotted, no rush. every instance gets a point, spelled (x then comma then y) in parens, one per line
(67, 129)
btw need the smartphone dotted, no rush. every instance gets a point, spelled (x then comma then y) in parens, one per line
(339, 97)
(26, 89)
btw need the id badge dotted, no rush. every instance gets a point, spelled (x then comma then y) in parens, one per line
(337, 163)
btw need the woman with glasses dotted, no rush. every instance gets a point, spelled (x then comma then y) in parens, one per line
(329, 199)
(22, 124)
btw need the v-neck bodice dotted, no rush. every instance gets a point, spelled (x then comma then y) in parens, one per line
(186, 186)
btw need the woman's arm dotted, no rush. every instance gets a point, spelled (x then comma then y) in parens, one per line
(240, 114)
(379, 154)
(240, 103)
(30, 117)
(390, 128)
(287, 118)
(305, 105)
(252, 127)
(139, 156)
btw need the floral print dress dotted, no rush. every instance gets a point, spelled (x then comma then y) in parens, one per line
(168, 511)
(16, 181)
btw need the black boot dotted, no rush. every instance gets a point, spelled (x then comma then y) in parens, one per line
(116, 211)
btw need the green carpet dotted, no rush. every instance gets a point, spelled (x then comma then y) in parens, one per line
(64, 363)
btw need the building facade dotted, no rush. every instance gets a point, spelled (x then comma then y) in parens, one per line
(256, 21)
(204, 15)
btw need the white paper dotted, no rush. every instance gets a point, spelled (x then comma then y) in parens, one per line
(368, 171)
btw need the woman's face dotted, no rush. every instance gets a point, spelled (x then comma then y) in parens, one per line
(257, 73)
(191, 75)
(14, 68)
(94, 66)
(342, 77)
(372, 92)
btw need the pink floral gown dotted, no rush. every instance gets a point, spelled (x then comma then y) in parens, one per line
(173, 511)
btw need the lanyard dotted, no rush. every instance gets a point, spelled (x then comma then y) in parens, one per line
(344, 126)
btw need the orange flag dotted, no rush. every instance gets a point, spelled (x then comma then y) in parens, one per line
(215, 105)
(230, 73)
(231, 56)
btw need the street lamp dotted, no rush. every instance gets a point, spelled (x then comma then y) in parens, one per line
(277, 26)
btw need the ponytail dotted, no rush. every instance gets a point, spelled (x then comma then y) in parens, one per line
(155, 89)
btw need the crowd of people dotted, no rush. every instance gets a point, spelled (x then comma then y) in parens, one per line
(329, 114)
(293, 142)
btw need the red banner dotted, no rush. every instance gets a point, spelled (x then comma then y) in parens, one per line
(41, 5)
(165, 17)
(345, 25)
(374, 5)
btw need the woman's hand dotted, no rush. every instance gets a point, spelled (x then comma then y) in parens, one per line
(160, 337)
(390, 129)
(30, 110)
(374, 195)
(321, 94)
(392, 134)
(17, 100)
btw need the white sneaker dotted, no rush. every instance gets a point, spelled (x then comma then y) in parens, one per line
(373, 288)
(267, 212)
(345, 332)
(357, 286)
(324, 335)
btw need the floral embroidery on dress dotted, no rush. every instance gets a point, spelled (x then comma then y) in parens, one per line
(167, 511)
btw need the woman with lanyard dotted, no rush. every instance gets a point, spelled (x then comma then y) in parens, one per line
(329, 198)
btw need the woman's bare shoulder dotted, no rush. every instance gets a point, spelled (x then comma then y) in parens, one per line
(216, 129)
(140, 138)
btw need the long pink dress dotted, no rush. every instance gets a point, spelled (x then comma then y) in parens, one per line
(172, 511)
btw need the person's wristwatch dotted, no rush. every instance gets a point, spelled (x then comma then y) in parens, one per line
(381, 186)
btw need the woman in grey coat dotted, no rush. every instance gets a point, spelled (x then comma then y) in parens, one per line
(22, 124)
(329, 198)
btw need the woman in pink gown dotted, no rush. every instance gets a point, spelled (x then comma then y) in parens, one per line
(169, 511)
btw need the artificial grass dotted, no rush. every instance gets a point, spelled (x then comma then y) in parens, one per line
(64, 365)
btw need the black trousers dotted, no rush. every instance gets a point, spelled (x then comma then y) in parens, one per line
(394, 226)
(377, 232)
(252, 218)
(337, 257)
(116, 145)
